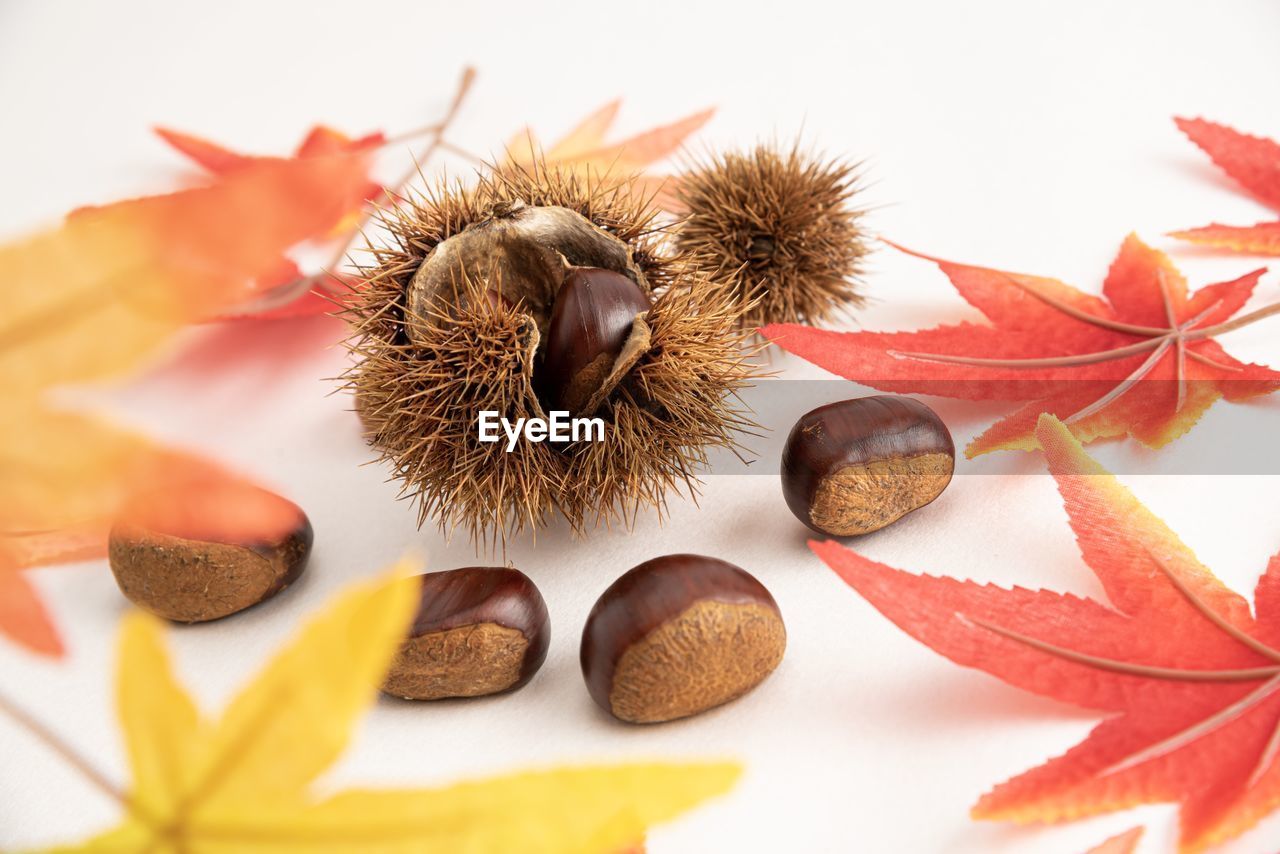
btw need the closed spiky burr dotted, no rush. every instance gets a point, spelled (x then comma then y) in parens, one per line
(454, 318)
(776, 226)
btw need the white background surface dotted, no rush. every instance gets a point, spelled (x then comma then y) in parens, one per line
(1024, 136)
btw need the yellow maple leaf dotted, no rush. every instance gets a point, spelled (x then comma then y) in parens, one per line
(242, 784)
(584, 149)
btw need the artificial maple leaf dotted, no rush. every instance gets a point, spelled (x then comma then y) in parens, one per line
(1140, 360)
(584, 148)
(1121, 843)
(23, 617)
(289, 293)
(95, 297)
(243, 783)
(320, 141)
(1254, 162)
(91, 300)
(1189, 675)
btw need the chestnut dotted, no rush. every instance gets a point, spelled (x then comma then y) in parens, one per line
(854, 466)
(678, 635)
(586, 352)
(207, 550)
(478, 630)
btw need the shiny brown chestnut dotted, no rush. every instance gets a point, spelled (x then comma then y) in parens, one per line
(678, 635)
(596, 334)
(205, 551)
(856, 466)
(478, 630)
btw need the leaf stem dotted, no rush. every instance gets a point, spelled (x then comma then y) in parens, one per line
(1175, 674)
(1267, 758)
(1205, 360)
(1072, 311)
(1127, 383)
(1180, 344)
(1213, 616)
(1189, 734)
(1230, 325)
(1044, 362)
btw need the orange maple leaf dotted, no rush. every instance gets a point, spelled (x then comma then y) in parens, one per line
(320, 141)
(1254, 162)
(1121, 843)
(288, 292)
(584, 148)
(1141, 360)
(1190, 677)
(97, 295)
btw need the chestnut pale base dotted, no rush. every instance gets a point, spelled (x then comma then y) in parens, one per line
(190, 581)
(469, 661)
(859, 499)
(710, 654)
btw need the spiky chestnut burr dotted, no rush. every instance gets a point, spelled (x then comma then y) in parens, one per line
(453, 317)
(778, 226)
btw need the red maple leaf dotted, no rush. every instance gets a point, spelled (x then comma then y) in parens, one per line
(1190, 677)
(1140, 360)
(1254, 162)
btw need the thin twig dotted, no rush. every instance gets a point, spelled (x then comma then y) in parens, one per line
(68, 754)
(446, 145)
(290, 291)
(389, 193)
(409, 135)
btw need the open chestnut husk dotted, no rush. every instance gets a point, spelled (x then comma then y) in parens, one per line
(855, 466)
(478, 630)
(508, 297)
(678, 635)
